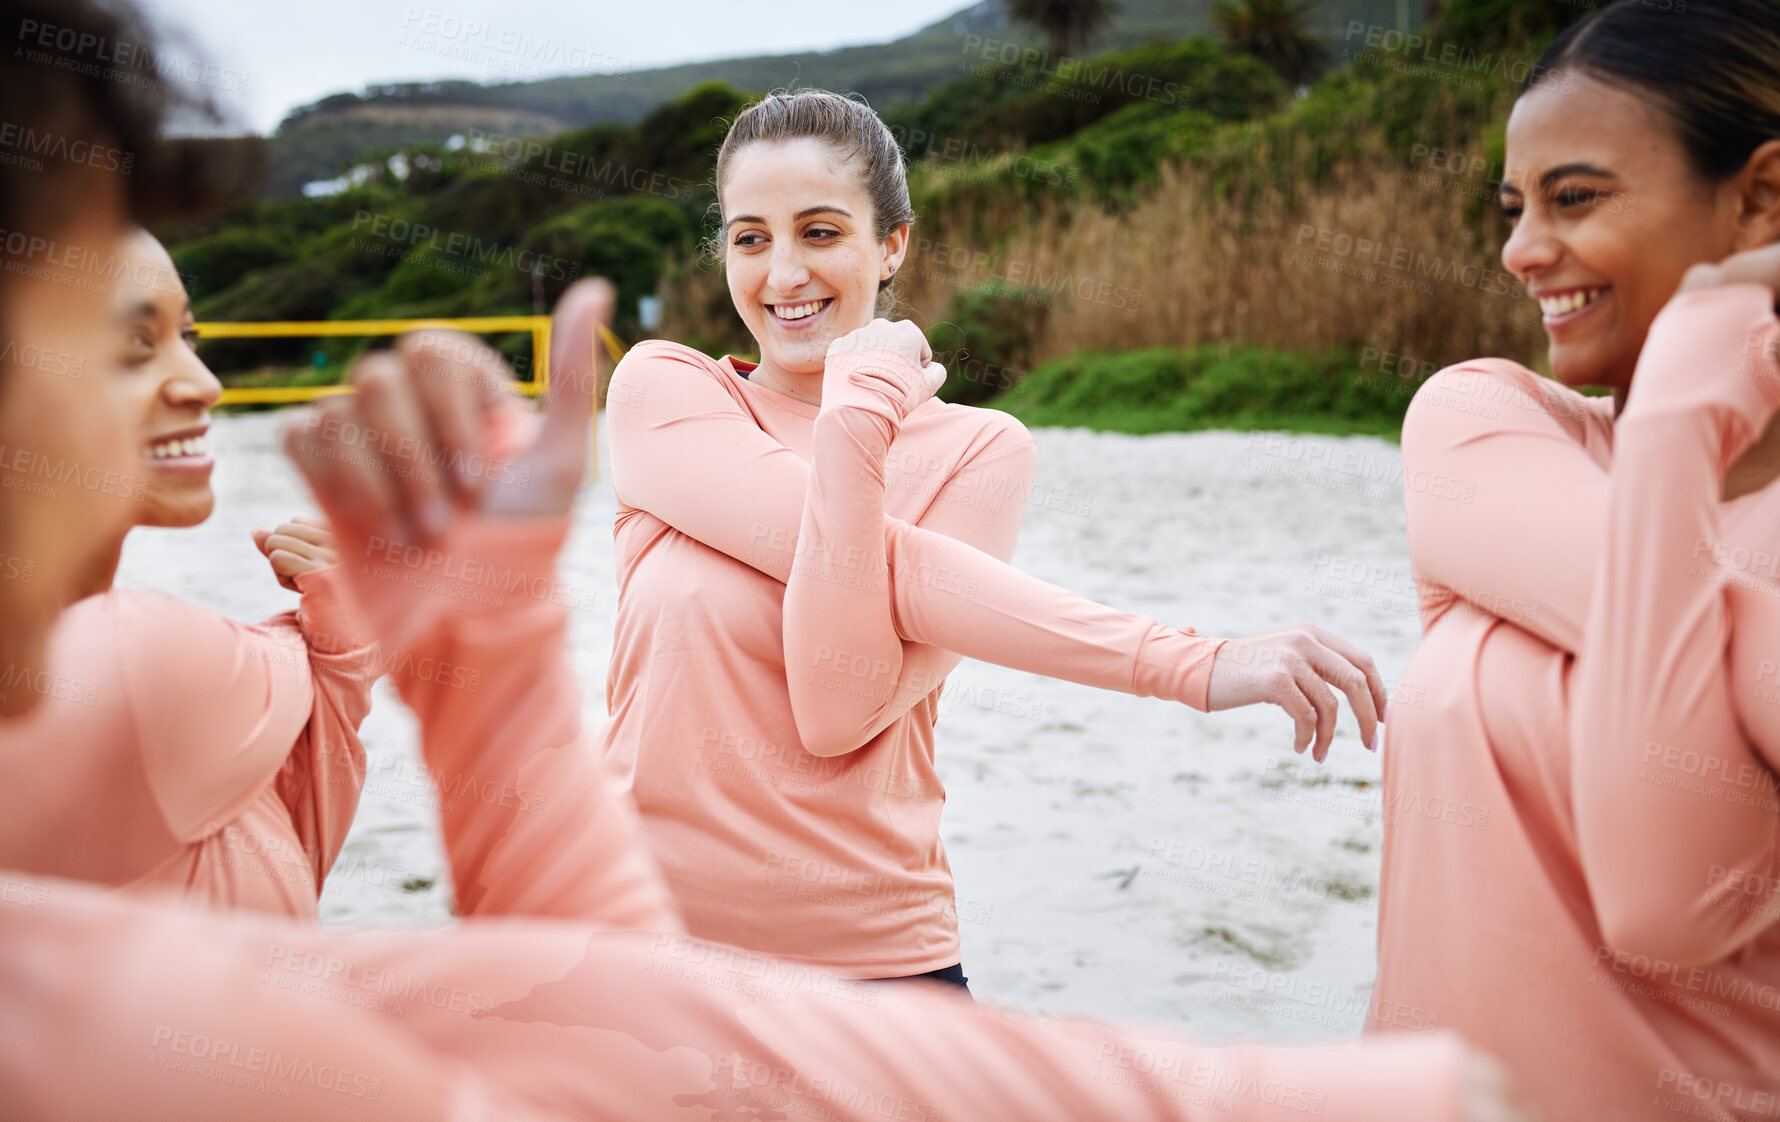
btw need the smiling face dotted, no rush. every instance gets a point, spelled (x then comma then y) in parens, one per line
(170, 391)
(1608, 213)
(803, 261)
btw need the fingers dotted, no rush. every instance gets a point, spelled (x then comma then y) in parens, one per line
(1311, 684)
(320, 556)
(1353, 672)
(289, 563)
(1287, 693)
(452, 373)
(936, 377)
(575, 359)
(313, 531)
(390, 405)
(359, 499)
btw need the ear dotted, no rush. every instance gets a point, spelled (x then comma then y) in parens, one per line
(1758, 214)
(896, 247)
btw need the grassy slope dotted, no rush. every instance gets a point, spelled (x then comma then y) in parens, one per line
(315, 145)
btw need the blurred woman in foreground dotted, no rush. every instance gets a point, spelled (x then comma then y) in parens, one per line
(117, 1008)
(242, 799)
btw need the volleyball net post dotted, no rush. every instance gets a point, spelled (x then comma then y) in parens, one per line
(537, 326)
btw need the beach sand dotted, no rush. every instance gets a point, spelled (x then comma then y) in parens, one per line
(1115, 856)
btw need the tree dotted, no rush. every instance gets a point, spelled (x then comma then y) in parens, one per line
(1068, 24)
(1274, 31)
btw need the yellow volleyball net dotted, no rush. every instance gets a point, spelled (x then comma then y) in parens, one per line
(537, 326)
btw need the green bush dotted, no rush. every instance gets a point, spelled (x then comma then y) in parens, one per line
(230, 254)
(986, 340)
(1171, 389)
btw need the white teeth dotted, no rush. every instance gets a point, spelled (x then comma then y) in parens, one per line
(799, 311)
(189, 446)
(1569, 301)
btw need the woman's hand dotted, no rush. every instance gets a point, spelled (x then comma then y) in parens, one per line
(901, 336)
(1760, 464)
(1753, 266)
(404, 457)
(1294, 669)
(299, 546)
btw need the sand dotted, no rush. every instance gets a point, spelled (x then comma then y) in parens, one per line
(1115, 856)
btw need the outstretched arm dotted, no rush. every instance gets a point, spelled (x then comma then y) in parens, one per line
(536, 1020)
(685, 449)
(1668, 821)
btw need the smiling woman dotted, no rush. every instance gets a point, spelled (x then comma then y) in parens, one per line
(1602, 933)
(243, 801)
(792, 596)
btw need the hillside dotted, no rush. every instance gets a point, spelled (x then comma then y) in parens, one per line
(317, 141)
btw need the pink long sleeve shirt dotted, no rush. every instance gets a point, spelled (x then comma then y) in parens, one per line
(1580, 853)
(117, 1009)
(773, 701)
(176, 749)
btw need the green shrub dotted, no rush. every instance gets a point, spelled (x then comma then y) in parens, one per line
(1172, 389)
(986, 340)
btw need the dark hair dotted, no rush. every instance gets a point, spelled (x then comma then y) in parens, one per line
(850, 126)
(1713, 65)
(84, 71)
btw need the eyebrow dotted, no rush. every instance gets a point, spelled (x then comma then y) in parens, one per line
(1560, 172)
(798, 217)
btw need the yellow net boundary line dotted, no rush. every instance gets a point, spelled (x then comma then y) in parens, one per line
(537, 326)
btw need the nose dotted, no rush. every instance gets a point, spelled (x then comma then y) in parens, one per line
(788, 272)
(190, 383)
(1533, 247)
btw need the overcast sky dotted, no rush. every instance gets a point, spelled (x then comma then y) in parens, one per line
(274, 55)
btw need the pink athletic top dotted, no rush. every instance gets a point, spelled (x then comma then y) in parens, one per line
(115, 1008)
(1580, 859)
(177, 749)
(779, 740)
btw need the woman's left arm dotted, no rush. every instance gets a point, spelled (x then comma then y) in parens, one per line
(1662, 826)
(849, 670)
